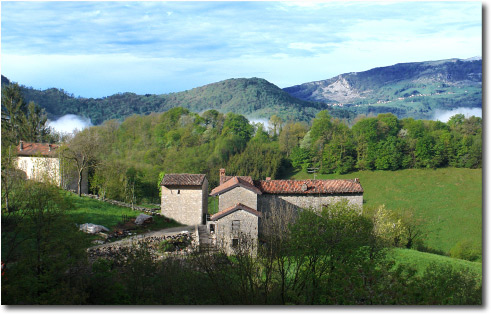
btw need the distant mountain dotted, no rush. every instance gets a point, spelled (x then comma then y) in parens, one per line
(254, 98)
(406, 89)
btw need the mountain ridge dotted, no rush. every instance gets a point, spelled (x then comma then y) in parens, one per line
(414, 89)
(396, 82)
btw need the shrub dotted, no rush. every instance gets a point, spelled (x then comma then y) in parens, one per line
(466, 249)
(167, 246)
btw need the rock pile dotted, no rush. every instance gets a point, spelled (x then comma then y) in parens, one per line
(111, 251)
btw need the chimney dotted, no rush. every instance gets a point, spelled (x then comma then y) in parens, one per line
(357, 180)
(21, 146)
(222, 175)
(49, 146)
(268, 178)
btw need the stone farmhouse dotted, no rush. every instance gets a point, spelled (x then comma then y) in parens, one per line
(243, 202)
(185, 198)
(40, 162)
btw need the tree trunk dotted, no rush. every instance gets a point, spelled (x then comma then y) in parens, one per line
(79, 183)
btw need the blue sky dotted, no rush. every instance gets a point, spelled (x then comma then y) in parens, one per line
(96, 49)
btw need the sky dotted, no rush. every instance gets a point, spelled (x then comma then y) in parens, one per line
(96, 49)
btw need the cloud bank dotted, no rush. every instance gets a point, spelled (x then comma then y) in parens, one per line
(445, 115)
(69, 123)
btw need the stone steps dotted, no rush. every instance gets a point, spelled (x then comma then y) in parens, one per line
(205, 240)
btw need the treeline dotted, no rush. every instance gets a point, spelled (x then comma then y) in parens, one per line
(131, 155)
(387, 143)
(334, 257)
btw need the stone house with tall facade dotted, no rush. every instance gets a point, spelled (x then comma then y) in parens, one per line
(185, 197)
(40, 162)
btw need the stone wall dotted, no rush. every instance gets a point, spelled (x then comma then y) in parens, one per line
(184, 204)
(235, 196)
(247, 234)
(266, 201)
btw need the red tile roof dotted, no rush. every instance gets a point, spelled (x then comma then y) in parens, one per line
(183, 179)
(309, 186)
(244, 178)
(234, 208)
(37, 149)
(233, 183)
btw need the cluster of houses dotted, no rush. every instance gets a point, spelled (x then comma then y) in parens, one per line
(243, 203)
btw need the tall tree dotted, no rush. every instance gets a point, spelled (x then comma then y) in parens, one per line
(83, 150)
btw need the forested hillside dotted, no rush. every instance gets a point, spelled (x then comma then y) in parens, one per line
(407, 89)
(180, 141)
(414, 90)
(254, 98)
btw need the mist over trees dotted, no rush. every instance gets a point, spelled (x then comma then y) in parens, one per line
(182, 141)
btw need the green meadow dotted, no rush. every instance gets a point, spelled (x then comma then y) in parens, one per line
(448, 200)
(88, 210)
(422, 260)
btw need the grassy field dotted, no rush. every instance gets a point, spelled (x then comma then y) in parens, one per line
(449, 200)
(87, 210)
(421, 260)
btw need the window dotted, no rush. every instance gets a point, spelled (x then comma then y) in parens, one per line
(212, 228)
(235, 225)
(235, 242)
(178, 191)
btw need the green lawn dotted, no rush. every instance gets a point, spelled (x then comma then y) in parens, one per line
(421, 260)
(87, 210)
(448, 199)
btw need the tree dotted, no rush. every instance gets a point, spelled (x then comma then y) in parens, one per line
(44, 251)
(276, 122)
(13, 111)
(290, 136)
(33, 124)
(82, 150)
(237, 125)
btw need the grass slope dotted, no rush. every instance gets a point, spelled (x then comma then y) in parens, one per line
(421, 260)
(87, 210)
(449, 199)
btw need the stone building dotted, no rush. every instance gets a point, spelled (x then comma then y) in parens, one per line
(236, 225)
(241, 198)
(185, 198)
(41, 162)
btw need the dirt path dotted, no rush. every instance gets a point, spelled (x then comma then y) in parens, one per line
(158, 233)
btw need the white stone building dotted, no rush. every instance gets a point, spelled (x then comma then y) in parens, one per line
(40, 162)
(185, 198)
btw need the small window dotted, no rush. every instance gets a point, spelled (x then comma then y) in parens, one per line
(178, 191)
(235, 242)
(235, 225)
(212, 228)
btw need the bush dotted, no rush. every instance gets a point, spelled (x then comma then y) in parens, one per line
(167, 246)
(468, 250)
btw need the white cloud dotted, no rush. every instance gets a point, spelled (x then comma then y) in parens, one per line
(95, 49)
(69, 123)
(445, 115)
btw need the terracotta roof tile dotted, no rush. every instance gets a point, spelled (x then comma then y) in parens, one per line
(232, 183)
(234, 208)
(309, 186)
(36, 149)
(183, 179)
(244, 178)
